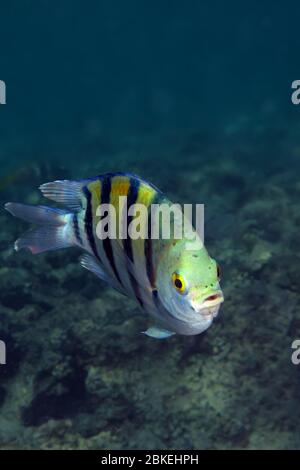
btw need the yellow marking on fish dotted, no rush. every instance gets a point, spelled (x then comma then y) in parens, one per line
(95, 190)
(145, 197)
(120, 186)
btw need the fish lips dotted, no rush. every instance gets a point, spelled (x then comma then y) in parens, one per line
(210, 310)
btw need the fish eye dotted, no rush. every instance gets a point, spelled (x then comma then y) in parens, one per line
(179, 283)
(218, 272)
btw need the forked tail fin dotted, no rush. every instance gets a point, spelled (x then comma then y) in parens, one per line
(54, 231)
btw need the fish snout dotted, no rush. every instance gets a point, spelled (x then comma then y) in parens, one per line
(213, 299)
(211, 304)
(209, 307)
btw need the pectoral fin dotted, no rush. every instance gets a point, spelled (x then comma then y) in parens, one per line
(158, 333)
(90, 263)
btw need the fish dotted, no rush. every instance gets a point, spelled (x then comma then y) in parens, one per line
(177, 284)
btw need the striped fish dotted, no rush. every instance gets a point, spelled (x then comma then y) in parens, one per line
(152, 271)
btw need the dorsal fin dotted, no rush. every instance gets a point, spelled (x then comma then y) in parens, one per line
(65, 192)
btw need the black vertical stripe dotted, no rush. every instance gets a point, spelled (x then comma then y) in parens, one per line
(76, 229)
(132, 196)
(105, 199)
(156, 298)
(148, 246)
(149, 261)
(136, 289)
(88, 221)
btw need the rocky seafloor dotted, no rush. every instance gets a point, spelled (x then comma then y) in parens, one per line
(80, 376)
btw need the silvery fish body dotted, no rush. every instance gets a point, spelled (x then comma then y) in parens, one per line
(177, 286)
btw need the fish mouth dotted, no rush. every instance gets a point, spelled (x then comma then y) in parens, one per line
(210, 306)
(209, 312)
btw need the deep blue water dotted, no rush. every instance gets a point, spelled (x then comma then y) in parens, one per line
(143, 67)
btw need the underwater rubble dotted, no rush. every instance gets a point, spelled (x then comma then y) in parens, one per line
(80, 376)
